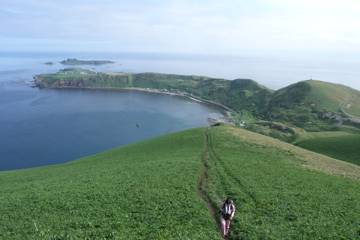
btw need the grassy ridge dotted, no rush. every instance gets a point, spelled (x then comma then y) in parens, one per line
(239, 94)
(149, 191)
(315, 105)
(143, 191)
(340, 145)
(277, 198)
(334, 97)
(318, 95)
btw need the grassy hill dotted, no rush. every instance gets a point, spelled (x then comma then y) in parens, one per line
(283, 192)
(170, 188)
(335, 97)
(239, 94)
(339, 145)
(312, 105)
(143, 191)
(315, 105)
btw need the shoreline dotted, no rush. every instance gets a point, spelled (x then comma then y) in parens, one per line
(226, 110)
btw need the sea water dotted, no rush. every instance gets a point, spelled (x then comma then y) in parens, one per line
(46, 126)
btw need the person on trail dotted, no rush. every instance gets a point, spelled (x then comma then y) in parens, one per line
(227, 215)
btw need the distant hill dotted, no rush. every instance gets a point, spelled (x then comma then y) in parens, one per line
(239, 94)
(312, 105)
(74, 61)
(315, 104)
(335, 97)
(171, 187)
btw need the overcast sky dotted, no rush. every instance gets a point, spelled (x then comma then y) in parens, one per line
(199, 26)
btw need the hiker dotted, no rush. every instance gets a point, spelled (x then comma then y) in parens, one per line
(227, 214)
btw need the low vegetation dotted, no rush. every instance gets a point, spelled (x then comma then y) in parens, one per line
(143, 191)
(277, 197)
(150, 190)
(340, 145)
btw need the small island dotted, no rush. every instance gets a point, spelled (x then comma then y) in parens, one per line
(74, 62)
(49, 63)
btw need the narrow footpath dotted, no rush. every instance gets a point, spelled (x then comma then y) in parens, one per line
(203, 180)
(229, 181)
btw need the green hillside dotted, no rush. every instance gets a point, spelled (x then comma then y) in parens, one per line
(315, 105)
(339, 145)
(170, 188)
(311, 105)
(279, 196)
(335, 97)
(143, 191)
(319, 95)
(239, 94)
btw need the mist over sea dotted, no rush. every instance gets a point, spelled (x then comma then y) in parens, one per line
(272, 70)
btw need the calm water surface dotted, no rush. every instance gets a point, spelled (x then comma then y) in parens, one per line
(42, 127)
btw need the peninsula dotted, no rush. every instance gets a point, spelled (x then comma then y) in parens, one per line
(292, 114)
(312, 105)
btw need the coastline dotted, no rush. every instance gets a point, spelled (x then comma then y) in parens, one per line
(226, 110)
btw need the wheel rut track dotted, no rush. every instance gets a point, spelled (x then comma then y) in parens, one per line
(226, 178)
(202, 183)
(228, 172)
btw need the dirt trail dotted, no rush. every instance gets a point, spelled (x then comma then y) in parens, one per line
(210, 158)
(203, 182)
(207, 155)
(233, 178)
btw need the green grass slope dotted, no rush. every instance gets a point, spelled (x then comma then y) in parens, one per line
(314, 105)
(335, 97)
(150, 190)
(277, 195)
(143, 191)
(339, 145)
